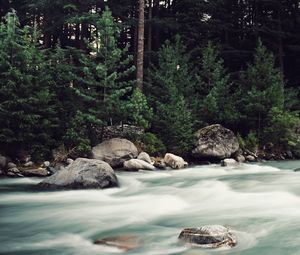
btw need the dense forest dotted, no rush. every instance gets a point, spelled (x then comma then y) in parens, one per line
(69, 68)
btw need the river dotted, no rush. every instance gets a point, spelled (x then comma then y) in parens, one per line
(260, 201)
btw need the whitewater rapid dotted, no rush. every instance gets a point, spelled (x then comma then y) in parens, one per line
(261, 202)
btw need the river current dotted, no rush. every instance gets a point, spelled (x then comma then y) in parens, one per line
(261, 202)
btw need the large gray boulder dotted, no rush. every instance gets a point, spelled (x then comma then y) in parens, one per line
(211, 236)
(137, 164)
(115, 151)
(82, 174)
(215, 142)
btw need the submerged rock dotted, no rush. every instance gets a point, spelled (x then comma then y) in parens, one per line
(174, 161)
(137, 164)
(125, 242)
(115, 151)
(211, 236)
(215, 142)
(82, 174)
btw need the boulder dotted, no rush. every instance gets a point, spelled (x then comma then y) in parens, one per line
(11, 165)
(14, 172)
(145, 156)
(240, 158)
(46, 164)
(124, 242)
(211, 236)
(160, 164)
(174, 161)
(36, 172)
(115, 151)
(250, 158)
(70, 161)
(215, 142)
(137, 164)
(29, 164)
(229, 162)
(3, 161)
(82, 174)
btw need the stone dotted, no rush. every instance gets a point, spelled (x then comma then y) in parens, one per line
(174, 161)
(46, 164)
(14, 172)
(83, 173)
(250, 158)
(36, 172)
(124, 242)
(3, 161)
(11, 165)
(240, 158)
(115, 151)
(145, 156)
(297, 170)
(211, 236)
(215, 142)
(137, 164)
(70, 161)
(160, 164)
(29, 164)
(229, 162)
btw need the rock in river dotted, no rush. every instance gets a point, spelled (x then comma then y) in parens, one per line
(137, 164)
(215, 142)
(115, 151)
(125, 242)
(174, 161)
(211, 236)
(82, 174)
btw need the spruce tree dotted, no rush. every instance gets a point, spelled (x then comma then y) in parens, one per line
(214, 89)
(26, 115)
(262, 88)
(173, 120)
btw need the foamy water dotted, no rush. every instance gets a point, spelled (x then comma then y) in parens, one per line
(261, 202)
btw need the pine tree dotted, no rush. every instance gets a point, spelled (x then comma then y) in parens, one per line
(262, 88)
(173, 115)
(216, 105)
(26, 114)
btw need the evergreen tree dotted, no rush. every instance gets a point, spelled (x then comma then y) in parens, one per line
(262, 88)
(216, 105)
(26, 114)
(173, 115)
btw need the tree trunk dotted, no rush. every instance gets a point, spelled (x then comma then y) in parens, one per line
(149, 44)
(140, 50)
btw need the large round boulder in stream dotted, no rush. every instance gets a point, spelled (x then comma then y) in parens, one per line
(82, 174)
(215, 142)
(115, 151)
(211, 236)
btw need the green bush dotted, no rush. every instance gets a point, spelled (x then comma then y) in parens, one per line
(251, 141)
(151, 144)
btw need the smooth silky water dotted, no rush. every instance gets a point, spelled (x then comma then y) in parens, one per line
(260, 201)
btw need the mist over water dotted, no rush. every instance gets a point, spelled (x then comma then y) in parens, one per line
(261, 202)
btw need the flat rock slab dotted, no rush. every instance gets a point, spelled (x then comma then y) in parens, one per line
(37, 172)
(211, 236)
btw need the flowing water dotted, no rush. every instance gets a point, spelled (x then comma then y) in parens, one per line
(261, 202)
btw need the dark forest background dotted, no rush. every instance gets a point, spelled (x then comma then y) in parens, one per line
(67, 70)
